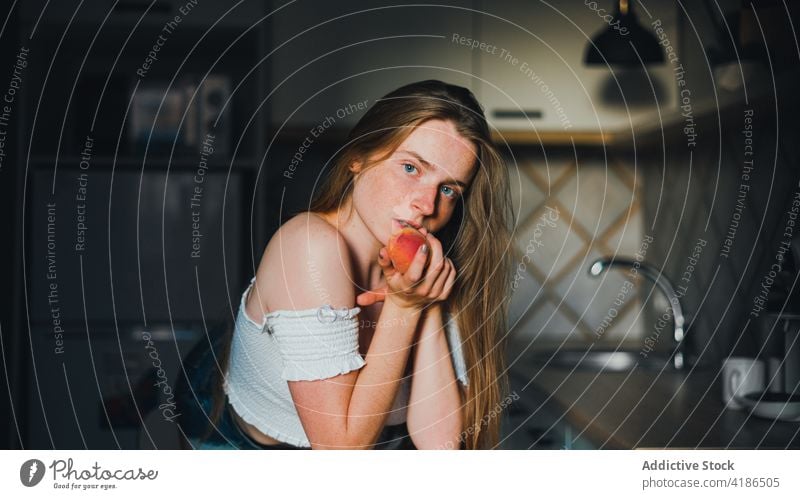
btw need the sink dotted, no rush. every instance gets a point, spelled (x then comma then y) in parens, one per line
(602, 360)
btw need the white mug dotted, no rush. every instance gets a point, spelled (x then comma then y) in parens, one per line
(741, 375)
(775, 377)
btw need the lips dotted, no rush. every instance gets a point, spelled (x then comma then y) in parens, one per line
(409, 223)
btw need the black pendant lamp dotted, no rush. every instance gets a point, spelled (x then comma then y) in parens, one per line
(615, 44)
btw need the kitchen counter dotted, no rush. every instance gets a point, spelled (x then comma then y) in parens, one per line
(647, 409)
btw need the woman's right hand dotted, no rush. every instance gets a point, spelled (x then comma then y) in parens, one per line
(422, 284)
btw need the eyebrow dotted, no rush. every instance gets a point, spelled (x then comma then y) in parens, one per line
(429, 165)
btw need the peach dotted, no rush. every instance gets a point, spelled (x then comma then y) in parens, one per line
(403, 246)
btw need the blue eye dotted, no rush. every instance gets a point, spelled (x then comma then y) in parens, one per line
(448, 191)
(409, 168)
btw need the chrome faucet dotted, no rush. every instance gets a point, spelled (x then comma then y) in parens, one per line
(660, 280)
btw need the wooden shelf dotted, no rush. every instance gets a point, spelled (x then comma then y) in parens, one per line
(565, 138)
(129, 162)
(500, 137)
(649, 130)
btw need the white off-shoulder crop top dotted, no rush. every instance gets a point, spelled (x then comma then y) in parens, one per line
(298, 345)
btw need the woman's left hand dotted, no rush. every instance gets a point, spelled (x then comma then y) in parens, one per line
(439, 284)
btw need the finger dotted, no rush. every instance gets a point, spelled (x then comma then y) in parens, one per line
(385, 262)
(448, 285)
(364, 300)
(435, 267)
(437, 254)
(383, 256)
(415, 270)
(370, 297)
(438, 285)
(432, 276)
(398, 284)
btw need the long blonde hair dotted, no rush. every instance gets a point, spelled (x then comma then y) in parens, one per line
(476, 238)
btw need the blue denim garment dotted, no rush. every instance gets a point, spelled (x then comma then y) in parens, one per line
(194, 396)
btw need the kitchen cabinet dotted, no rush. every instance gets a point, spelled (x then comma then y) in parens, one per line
(532, 422)
(89, 14)
(532, 76)
(128, 181)
(522, 59)
(332, 62)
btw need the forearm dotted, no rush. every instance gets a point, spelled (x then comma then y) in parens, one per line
(434, 414)
(379, 380)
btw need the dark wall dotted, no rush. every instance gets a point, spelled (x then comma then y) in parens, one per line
(709, 193)
(99, 197)
(11, 410)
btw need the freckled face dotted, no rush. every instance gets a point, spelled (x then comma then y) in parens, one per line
(421, 182)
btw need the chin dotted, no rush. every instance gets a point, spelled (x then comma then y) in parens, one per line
(381, 233)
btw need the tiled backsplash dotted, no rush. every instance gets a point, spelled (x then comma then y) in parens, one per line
(571, 210)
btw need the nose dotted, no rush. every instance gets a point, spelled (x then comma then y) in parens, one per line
(424, 200)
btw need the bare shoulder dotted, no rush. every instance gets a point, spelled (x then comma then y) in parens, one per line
(305, 265)
(309, 227)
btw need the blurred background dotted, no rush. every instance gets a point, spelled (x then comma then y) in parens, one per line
(151, 148)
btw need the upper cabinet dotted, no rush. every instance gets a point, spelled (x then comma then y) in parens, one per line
(325, 63)
(533, 77)
(522, 59)
(99, 14)
(331, 60)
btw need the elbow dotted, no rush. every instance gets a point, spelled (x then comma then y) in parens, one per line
(442, 429)
(344, 436)
(342, 443)
(340, 446)
(425, 441)
(446, 435)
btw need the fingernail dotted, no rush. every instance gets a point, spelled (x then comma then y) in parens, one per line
(424, 249)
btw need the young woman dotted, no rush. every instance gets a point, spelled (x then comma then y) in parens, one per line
(333, 345)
